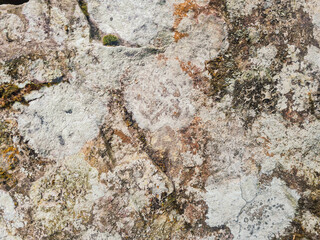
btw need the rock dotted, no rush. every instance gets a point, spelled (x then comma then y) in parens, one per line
(199, 119)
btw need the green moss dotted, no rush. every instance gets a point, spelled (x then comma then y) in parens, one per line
(84, 7)
(110, 40)
(11, 93)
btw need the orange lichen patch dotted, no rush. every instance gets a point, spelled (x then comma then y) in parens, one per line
(193, 136)
(178, 35)
(162, 57)
(192, 70)
(182, 10)
(123, 137)
(9, 154)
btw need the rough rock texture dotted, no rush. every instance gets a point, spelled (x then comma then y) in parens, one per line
(202, 123)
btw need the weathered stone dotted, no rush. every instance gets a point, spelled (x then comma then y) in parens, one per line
(194, 119)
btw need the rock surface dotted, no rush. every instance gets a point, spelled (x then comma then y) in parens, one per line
(202, 122)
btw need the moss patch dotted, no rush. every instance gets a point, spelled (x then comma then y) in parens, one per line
(110, 40)
(11, 93)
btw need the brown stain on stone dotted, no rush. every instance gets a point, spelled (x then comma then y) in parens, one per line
(123, 137)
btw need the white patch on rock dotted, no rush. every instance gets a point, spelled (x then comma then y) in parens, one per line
(266, 215)
(293, 81)
(283, 140)
(161, 96)
(192, 160)
(311, 223)
(11, 27)
(313, 8)
(4, 78)
(265, 56)
(102, 68)
(313, 56)
(138, 22)
(58, 21)
(224, 202)
(249, 187)
(62, 120)
(35, 12)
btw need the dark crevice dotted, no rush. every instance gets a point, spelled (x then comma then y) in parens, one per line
(94, 30)
(13, 2)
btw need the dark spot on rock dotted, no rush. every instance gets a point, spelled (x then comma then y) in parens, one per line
(69, 111)
(57, 80)
(61, 140)
(13, 2)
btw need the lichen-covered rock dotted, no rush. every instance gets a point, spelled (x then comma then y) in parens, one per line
(192, 119)
(53, 124)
